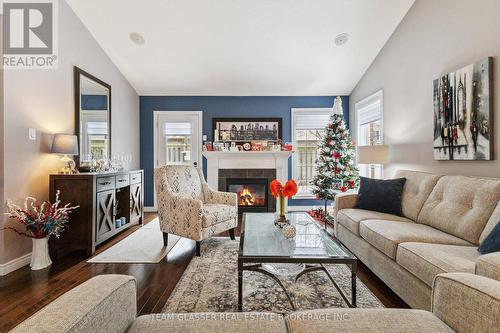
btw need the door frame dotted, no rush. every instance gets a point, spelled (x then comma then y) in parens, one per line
(156, 114)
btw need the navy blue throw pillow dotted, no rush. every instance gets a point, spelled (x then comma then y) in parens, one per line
(381, 195)
(492, 242)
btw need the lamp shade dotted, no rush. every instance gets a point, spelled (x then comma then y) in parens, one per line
(66, 144)
(377, 154)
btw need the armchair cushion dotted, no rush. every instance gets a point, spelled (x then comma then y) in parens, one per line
(184, 181)
(217, 213)
(216, 197)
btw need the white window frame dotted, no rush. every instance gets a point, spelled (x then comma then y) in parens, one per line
(294, 112)
(378, 96)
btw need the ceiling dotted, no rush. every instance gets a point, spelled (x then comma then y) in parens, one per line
(242, 47)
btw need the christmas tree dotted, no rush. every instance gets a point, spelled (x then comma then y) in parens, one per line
(335, 169)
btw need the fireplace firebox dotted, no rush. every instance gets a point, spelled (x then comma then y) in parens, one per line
(252, 187)
(253, 193)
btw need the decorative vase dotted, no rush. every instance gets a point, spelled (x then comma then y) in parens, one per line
(281, 205)
(40, 257)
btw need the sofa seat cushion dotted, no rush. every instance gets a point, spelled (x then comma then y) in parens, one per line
(489, 265)
(461, 206)
(365, 320)
(208, 322)
(387, 235)
(351, 217)
(425, 260)
(212, 214)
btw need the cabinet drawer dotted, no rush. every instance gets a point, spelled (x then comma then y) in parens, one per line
(105, 183)
(122, 181)
(135, 178)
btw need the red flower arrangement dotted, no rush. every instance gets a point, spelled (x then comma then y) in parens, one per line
(281, 192)
(288, 191)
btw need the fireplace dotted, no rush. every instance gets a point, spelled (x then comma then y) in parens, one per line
(251, 187)
(252, 193)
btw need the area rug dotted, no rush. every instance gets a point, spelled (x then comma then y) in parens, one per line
(210, 284)
(144, 245)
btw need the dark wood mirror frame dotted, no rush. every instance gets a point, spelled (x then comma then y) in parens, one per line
(77, 73)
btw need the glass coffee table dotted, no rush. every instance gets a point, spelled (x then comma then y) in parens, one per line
(263, 244)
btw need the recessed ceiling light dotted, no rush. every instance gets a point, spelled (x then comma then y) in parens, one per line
(137, 38)
(341, 39)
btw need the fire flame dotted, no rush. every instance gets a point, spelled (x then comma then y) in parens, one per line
(246, 197)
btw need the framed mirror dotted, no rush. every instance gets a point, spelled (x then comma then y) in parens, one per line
(92, 119)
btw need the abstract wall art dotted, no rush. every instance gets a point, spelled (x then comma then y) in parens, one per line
(463, 113)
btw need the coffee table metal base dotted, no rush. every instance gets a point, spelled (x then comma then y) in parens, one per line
(309, 268)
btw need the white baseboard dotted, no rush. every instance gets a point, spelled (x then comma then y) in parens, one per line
(150, 209)
(15, 264)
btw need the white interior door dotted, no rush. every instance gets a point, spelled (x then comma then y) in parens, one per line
(178, 138)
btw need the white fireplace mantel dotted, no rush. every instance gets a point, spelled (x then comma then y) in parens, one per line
(246, 160)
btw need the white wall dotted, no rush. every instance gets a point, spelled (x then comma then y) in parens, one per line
(434, 38)
(43, 99)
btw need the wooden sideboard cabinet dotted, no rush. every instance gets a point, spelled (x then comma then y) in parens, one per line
(103, 198)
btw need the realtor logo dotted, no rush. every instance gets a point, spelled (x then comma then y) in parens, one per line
(29, 34)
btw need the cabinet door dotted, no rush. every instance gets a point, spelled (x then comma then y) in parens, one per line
(105, 218)
(135, 203)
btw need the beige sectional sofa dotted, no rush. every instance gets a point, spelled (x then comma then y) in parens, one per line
(444, 220)
(462, 302)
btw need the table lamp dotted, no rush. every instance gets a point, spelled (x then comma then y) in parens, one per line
(372, 155)
(65, 144)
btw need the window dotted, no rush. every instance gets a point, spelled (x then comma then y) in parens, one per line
(308, 128)
(96, 138)
(178, 143)
(369, 129)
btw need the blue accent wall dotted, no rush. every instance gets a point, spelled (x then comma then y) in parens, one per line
(223, 106)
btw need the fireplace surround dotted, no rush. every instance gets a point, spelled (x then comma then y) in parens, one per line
(251, 186)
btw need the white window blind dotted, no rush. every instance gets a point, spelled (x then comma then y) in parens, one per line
(311, 120)
(369, 113)
(97, 128)
(177, 128)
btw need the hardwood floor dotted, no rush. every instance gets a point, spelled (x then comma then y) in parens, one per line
(24, 292)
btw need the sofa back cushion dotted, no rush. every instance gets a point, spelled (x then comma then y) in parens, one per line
(492, 222)
(417, 188)
(184, 181)
(461, 206)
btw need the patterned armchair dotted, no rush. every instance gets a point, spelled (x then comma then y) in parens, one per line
(187, 207)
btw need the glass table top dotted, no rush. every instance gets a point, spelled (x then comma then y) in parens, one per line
(262, 238)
